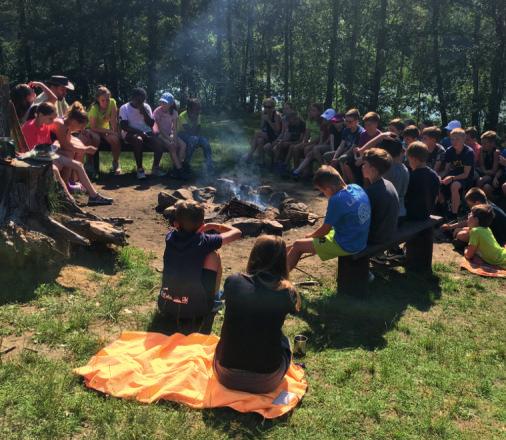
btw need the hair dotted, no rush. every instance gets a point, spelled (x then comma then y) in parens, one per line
(490, 135)
(432, 132)
(418, 150)
(328, 176)
(398, 124)
(77, 112)
(138, 92)
(459, 132)
(392, 147)
(319, 108)
(269, 256)
(269, 102)
(192, 104)
(18, 97)
(45, 109)
(409, 122)
(379, 159)
(101, 91)
(427, 123)
(484, 213)
(472, 132)
(189, 215)
(353, 113)
(476, 195)
(372, 116)
(411, 131)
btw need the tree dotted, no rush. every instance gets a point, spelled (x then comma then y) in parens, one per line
(379, 63)
(331, 69)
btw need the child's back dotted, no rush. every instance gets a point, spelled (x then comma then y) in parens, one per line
(398, 175)
(422, 192)
(384, 211)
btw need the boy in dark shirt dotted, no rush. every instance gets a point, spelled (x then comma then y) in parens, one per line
(192, 267)
(458, 173)
(430, 137)
(423, 187)
(382, 196)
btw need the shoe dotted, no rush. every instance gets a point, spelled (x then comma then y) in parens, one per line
(295, 175)
(371, 277)
(141, 175)
(158, 172)
(99, 199)
(116, 169)
(76, 188)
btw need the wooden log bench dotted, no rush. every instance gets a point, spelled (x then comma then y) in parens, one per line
(353, 270)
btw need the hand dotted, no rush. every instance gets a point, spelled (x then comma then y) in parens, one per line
(34, 84)
(446, 227)
(447, 180)
(502, 160)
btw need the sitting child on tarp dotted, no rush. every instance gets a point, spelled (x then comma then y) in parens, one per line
(192, 269)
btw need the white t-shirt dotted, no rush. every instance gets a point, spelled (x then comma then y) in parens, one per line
(61, 105)
(134, 117)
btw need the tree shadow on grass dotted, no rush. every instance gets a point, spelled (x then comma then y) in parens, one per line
(339, 321)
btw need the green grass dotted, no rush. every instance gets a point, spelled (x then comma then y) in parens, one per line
(417, 359)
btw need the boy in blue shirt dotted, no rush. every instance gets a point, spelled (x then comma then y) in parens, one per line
(346, 225)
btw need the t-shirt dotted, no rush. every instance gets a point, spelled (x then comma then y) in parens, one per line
(252, 327)
(498, 225)
(314, 130)
(184, 122)
(135, 119)
(338, 136)
(349, 214)
(351, 138)
(61, 105)
(35, 135)
(476, 147)
(460, 160)
(364, 137)
(437, 155)
(296, 130)
(165, 122)
(183, 262)
(102, 118)
(384, 211)
(421, 195)
(487, 247)
(398, 174)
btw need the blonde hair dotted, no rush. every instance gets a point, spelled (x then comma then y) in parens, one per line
(102, 91)
(458, 132)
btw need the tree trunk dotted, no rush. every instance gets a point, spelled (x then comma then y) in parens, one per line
(185, 51)
(152, 49)
(286, 49)
(497, 75)
(436, 56)
(331, 68)
(475, 63)
(25, 54)
(379, 63)
(349, 71)
(220, 79)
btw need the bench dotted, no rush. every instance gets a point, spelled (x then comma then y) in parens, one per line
(104, 146)
(353, 270)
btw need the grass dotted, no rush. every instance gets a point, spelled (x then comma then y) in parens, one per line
(419, 359)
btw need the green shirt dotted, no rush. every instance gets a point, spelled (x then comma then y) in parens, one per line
(184, 121)
(314, 130)
(487, 247)
(103, 118)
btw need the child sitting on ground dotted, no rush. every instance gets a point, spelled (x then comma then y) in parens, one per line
(382, 196)
(476, 196)
(481, 239)
(346, 225)
(423, 187)
(192, 268)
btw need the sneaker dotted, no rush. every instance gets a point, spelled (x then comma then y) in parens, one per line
(158, 172)
(99, 199)
(116, 169)
(141, 175)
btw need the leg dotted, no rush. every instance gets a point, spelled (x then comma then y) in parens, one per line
(455, 191)
(208, 154)
(213, 262)
(74, 165)
(115, 143)
(59, 179)
(138, 146)
(181, 149)
(299, 248)
(156, 145)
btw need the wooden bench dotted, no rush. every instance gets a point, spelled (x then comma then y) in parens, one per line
(353, 270)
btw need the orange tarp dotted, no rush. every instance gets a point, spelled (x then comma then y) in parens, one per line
(151, 367)
(479, 267)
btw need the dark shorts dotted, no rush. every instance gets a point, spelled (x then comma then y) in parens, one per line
(464, 186)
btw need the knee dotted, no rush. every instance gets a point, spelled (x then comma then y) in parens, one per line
(455, 187)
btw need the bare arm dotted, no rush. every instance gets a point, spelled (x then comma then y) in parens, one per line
(339, 150)
(227, 233)
(469, 252)
(51, 97)
(322, 231)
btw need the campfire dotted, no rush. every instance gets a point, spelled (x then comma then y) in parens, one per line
(253, 210)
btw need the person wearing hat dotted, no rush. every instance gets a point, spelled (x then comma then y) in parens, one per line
(166, 118)
(58, 84)
(136, 122)
(323, 153)
(452, 125)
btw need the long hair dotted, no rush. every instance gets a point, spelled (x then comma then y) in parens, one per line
(102, 91)
(77, 113)
(18, 98)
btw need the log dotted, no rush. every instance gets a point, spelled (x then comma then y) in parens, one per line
(239, 208)
(96, 231)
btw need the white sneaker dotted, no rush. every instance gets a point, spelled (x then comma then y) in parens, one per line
(158, 172)
(141, 175)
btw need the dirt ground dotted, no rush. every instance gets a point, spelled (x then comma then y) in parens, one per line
(148, 229)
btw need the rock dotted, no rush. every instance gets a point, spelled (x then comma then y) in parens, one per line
(272, 227)
(276, 198)
(225, 188)
(293, 210)
(170, 214)
(183, 194)
(204, 194)
(265, 190)
(250, 227)
(165, 200)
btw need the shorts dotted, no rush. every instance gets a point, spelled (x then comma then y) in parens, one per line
(464, 186)
(327, 248)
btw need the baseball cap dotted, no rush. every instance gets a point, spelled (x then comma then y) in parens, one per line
(167, 98)
(60, 80)
(453, 124)
(339, 117)
(328, 114)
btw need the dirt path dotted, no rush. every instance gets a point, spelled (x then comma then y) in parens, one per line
(138, 202)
